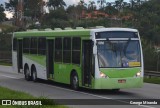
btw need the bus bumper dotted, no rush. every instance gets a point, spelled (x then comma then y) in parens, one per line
(117, 83)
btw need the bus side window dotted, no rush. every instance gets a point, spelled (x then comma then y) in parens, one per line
(26, 45)
(33, 48)
(67, 50)
(58, 50)
(15, 44)
(42, 46)
(76, 48)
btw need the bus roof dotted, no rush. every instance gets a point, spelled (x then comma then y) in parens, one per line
(70, 32)
(114, 29)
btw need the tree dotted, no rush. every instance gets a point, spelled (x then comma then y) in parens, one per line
(2, 15)
(110, 10)
(56, 3)
(11, 5)
(91, 5)
(132, 4)
(82, 4)
(32, 8)
(101, 2)
(119, 4)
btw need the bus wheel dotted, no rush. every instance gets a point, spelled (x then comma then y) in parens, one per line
(74, 81)
(34, 75)
(27, 74)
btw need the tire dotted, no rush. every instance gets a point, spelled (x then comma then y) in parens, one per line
(27, 74)
(34, 75)
(115, 90)
(74, 81)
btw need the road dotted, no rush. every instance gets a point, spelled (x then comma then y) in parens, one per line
(16, 81)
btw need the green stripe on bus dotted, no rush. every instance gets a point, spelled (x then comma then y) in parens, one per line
(120, 73)
(73, 33)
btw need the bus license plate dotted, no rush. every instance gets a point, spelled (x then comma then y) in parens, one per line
(122, 81)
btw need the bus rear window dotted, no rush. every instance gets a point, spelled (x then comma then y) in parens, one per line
(116, 34)
(14, 44)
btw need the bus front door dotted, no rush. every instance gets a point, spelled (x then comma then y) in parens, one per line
(50, 61)
(87, 63)
(19, 55)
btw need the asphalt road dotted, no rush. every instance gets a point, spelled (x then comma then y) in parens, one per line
(52, 90)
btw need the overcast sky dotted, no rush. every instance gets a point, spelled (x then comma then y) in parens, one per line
(68, 2)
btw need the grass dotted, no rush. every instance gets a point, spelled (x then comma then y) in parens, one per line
(154, 80)
(6, 93)
(5, 63)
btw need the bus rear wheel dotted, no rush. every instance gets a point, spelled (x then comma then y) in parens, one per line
(115, 90)
(27, 74)
(34, 75)
(74, 81)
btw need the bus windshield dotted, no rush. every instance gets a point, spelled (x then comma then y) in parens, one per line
(120, 54)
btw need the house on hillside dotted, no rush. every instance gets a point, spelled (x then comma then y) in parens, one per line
(93, 15)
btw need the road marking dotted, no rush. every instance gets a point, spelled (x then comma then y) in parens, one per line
(9, 77)
(83, 93)
(146, 106)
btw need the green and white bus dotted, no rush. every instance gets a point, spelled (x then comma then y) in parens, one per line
(102, 58)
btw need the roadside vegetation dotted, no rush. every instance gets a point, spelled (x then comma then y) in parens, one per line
(154, 80)
(4, 63)
(6, 93)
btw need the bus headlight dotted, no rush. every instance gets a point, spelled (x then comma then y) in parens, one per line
(138, 74)
(102, 75)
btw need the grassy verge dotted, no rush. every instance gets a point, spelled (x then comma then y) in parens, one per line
(5, 63)
(11, 94)
(155, 80)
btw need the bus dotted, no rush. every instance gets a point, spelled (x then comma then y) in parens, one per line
(97, 58)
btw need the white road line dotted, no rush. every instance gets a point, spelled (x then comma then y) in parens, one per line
(9, 77)
(146, 106)
(83, 93)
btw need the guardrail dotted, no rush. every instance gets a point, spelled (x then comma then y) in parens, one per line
(152, 73)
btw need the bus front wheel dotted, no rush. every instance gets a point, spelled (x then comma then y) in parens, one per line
(74, 81)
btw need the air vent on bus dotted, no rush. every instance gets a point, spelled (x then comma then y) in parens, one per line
(34, 29)
(48, 29)
(68, 28)
(79, 28)
(57, 29)
(100, 27)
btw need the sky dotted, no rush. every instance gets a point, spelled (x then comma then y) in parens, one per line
(68, 2)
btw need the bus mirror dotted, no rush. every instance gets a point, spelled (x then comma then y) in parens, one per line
(94, 50)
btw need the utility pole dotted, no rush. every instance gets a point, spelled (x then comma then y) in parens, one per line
(42, 3)
(19, 14)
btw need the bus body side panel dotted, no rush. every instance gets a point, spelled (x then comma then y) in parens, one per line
(14, 60)
(62, 72)
(39, 62)
(113, 83)
(19, 55)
